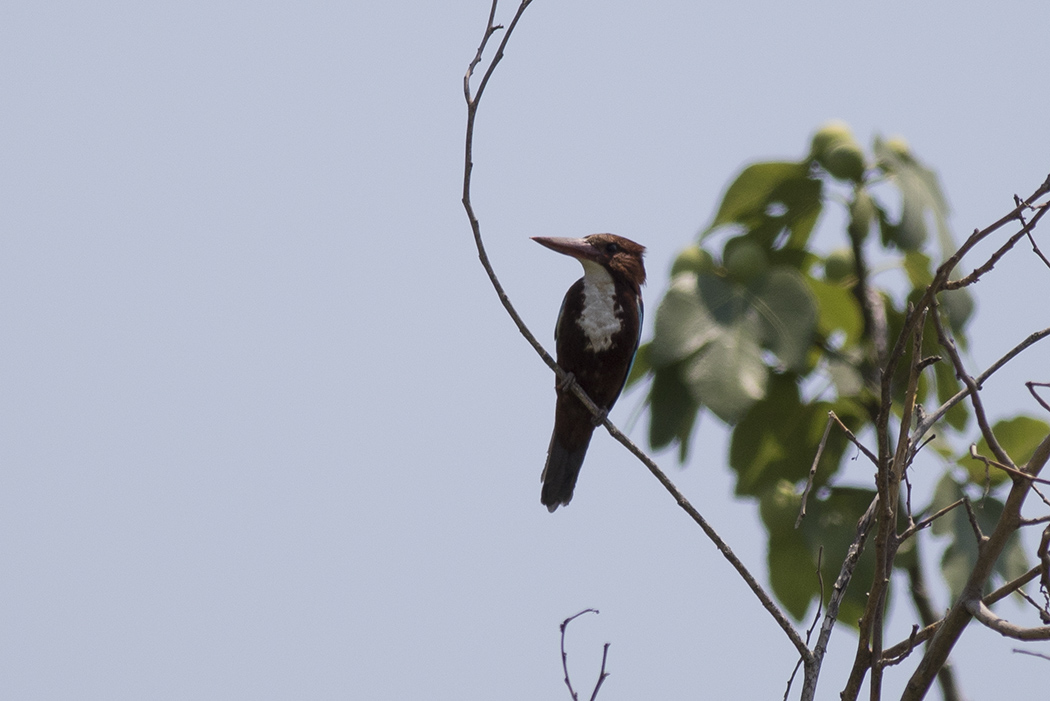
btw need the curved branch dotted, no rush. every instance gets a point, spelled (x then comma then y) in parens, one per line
(727, 552)
(1002, 626)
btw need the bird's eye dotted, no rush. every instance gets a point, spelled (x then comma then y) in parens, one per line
(612, 247)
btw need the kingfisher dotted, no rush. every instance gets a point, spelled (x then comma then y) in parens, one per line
(596, 337)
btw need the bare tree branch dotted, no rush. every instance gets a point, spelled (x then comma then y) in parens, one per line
(1031, 388)
(813, 472)
(1033, 654)
(959, 615)
(1002, 626)
(565, 657)
(926, 633)
(472, 107)
(935, 416)
(838, 591)
(853, 439)
(912, 530)
(948, 344)
(988, 462)
(1026, 230)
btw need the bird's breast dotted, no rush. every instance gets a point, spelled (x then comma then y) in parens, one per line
(600, 316)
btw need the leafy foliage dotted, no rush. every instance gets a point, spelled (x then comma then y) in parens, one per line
(771, 334)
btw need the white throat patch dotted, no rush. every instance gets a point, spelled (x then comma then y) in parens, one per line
(600, 318)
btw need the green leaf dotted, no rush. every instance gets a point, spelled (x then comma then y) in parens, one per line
(683, 323)
(713, 341)
(830, 523)
(946, 492)
(1018, 436)
(728, 375)
(788, 314)
(748, 197)
(768, 198)
(958, 306)
(920, 194)
(716, 330)
(792, 572)
(917, 266)
(961, 555)
(956, 566)
(672, 411)
(838, 310)
(834, 526)
(1013, 562)
(779, 437)
(779, 506)
(761, 445)
(845, 374)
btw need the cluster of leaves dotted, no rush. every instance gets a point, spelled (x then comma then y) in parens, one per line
(770, 335)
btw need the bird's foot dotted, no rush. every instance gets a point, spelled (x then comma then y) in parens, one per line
(565, 384)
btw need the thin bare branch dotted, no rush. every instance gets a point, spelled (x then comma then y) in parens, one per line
(1002, 626)
(853, 439)
(889, 478)
(721, 545)
(1026, 230)
(1044, 559)
(988, 462)
(927, 521)
(948, 343)
(978, 534)
(959, 616)
(932, 418)
(924, 606)
(905, 646)
(602, 675)
(838, 591)
(1011, 586)
(1035, 246)
(813, 471)
(1031, 388)
(565, 656)
(816, 617)
(1033, 654)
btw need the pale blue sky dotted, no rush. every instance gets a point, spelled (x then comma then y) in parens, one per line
(265, 430)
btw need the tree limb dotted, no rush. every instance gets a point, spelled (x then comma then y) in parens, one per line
(473, 102)
(959, 615)
(1002, 626)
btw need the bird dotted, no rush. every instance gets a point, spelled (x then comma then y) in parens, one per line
(596, 337)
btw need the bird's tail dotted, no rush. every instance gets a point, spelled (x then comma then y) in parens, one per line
(560, 473)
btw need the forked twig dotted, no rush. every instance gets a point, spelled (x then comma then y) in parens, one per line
(565, 657)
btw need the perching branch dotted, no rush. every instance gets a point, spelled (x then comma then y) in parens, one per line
(473, 102)
(892, 462)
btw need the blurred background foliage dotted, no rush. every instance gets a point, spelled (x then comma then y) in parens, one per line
(769, 333)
